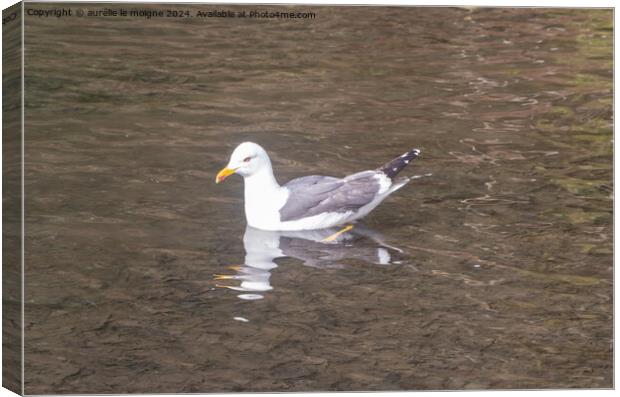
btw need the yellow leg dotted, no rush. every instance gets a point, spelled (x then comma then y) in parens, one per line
(338, 233)
(222, 277)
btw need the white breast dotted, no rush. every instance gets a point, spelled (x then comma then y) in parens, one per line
(262, 207)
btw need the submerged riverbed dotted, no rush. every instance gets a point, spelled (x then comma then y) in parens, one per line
(494, 272)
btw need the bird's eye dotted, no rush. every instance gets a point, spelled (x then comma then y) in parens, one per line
(247, 159)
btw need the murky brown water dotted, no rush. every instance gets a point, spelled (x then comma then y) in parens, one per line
(495, 272)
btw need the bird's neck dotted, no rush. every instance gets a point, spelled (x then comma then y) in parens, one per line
(261, 181)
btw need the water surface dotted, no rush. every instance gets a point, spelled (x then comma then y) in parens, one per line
(495, 272)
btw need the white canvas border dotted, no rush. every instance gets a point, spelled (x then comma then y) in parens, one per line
(493, 3)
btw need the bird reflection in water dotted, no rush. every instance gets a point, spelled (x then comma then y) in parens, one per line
(323, 248)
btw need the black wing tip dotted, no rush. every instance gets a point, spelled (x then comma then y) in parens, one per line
(395, 166)
(413, 153)
(406, 157)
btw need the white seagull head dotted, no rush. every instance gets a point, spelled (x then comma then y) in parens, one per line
(246, 160)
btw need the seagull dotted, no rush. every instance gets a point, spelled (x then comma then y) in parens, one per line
(310, 202)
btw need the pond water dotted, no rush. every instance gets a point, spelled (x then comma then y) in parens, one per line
(493, 272)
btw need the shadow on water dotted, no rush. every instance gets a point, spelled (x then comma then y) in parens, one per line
(321, 249)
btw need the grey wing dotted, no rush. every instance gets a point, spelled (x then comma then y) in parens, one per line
(314, 195)
(309, 180)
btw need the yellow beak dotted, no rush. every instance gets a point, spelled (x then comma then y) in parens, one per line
(223, 174)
